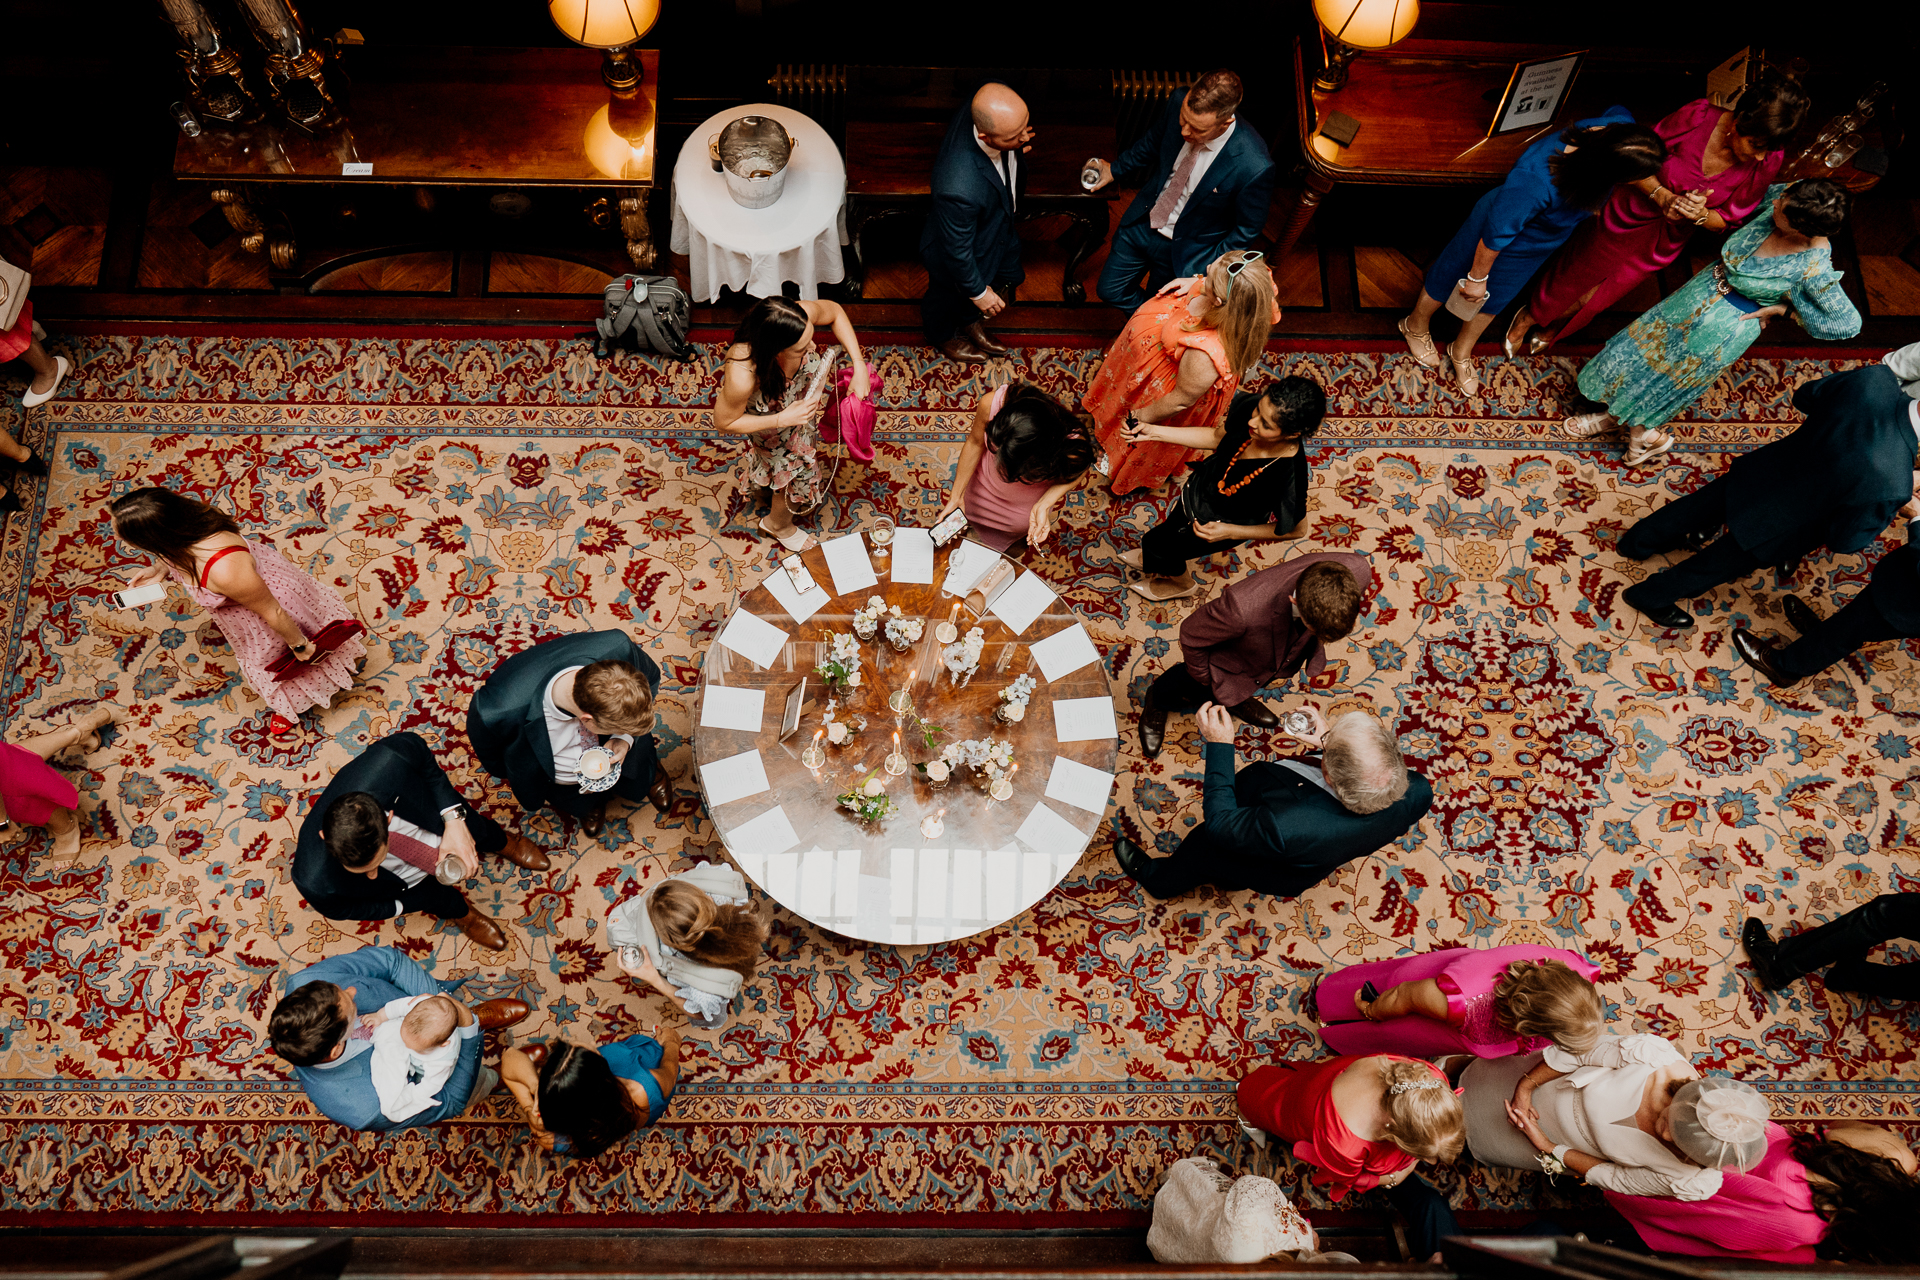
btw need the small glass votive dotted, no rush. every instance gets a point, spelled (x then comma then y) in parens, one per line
(1001, 789)
(881, 535)
(898, 701)
(813, 757)
(931, 827)
(896, 764)
(866, 628)
(946, 633)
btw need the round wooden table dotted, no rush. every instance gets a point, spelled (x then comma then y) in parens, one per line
(887, 882)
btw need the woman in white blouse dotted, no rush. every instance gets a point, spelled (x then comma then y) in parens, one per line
(1608, 1116)
(693, 938)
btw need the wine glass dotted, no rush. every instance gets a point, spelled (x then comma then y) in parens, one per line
(882, 536)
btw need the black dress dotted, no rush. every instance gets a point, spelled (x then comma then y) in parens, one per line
(1276, 494)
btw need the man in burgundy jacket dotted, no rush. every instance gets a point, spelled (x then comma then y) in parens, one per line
(1261, 629)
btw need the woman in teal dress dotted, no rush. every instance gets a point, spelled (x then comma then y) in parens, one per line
(1779, 262)
(580, 1101)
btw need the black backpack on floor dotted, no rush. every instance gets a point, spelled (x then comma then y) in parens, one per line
(646, 313)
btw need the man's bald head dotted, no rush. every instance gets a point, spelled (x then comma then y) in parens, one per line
(1000, 115)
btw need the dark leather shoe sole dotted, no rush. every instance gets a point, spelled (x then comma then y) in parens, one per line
(1254, 711)
(1153, 732)
(1799, 616)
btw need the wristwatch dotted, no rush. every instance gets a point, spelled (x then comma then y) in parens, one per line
(456, 811)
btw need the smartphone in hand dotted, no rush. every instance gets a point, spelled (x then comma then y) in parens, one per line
(134, 597)
(1368, 992)
(796, 570)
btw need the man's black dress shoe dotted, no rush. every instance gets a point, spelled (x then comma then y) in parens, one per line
(1670, 616)
(1153, 729)
(1133, 859)
(1763, 953)
(1254, 711)
(963, 350)
(984, 340)
(1699, 540)
(1760, 654)
(1799, 616)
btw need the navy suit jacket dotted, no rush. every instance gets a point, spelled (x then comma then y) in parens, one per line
(1837, 481)
(345, 1094)
(507, 723)
(400, 772)
(1228, 208)
(969, 242)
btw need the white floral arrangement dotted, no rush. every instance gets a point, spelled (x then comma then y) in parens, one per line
(1019, 693)
(867, 620)
(980, 753)
(840, 732)
(903, 630)
(963, 655)
(841, 668)
(869, 801)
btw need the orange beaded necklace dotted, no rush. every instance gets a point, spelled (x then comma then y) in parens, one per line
(1245, 480)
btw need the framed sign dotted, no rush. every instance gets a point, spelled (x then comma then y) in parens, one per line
(1536, 92)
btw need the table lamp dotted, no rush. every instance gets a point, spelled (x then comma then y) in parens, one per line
(1353, 25)
(613, 25)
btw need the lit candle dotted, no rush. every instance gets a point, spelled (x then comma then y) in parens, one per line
(813, 757)
(896, 763)
(932, 826)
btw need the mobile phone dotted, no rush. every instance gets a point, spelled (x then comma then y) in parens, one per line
(797, 574)
(820, 378)
(945, 531)
(133, 597)
(1368, 992)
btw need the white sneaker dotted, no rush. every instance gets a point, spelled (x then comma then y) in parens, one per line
(34, 399)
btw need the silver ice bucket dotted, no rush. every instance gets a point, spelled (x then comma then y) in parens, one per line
(752, 153)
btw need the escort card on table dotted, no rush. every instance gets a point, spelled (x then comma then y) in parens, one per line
(753, 637)
(1084, 719)
(1079, 785)
(1045, 831)
(848, 563)
(1064, 652)
(1022, 602)
(734, 777)
(966, 566)
(800, 607)
(724, 708)
(912, 554)
(770, 833)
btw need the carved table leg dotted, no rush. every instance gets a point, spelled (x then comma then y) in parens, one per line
(271, 234)
(638, 230)
(1316, 190)
(1088, 234)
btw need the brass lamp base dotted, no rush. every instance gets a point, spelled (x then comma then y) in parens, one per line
(1334, 75)
(619, 68)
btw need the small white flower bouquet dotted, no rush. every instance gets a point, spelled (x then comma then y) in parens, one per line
(1014, 699)
(841, 668)
(963, 655)
(993, 758)
(903, 631)
(869, 801)
(867, 621)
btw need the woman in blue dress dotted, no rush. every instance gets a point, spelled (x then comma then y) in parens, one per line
(1557, 183)
(1779, 263)
(580, 1101)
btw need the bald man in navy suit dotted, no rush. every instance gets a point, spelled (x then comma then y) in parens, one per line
(969, 245)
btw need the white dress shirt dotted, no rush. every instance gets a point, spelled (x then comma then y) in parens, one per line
(564, 733)
(1208, 153)
(407, 872)
(993, 154)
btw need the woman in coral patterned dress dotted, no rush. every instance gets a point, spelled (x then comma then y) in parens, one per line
(266, 607)
(1178, 363)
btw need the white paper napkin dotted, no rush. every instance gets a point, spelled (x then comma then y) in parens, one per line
(912, 555)
(1084, 719)
(734, 777)
(725, 708)
(799, 607)
(1022, 602)
(1064, 652)
(1047, 832)
(753, 637)
(848, 563)
(1079, 785)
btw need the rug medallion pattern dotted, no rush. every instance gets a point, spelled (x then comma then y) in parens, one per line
(1598, 786)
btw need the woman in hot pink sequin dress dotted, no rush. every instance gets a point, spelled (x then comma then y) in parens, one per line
(265, 605)
(1467, 980)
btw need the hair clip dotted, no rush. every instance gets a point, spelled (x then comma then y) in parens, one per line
(1408, 1086)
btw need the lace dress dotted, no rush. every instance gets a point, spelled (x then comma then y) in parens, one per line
(788, 459)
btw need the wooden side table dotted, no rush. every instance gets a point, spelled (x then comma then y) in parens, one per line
(449, 117)
(1424, 107)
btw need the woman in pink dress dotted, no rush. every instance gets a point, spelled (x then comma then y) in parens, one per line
(22, 342)
(266, 607)
(34, 794)
(1025, 452)
(1718, 166)
(1489, 1003)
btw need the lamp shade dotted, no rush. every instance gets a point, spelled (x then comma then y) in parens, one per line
(604, 24)
(1362, 24)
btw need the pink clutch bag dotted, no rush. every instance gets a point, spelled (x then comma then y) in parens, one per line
(849, 421)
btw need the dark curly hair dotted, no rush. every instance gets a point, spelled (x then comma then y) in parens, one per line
(1816, 207)
(1603, 155)
(1870, 1203)
(1037, 439)
(1300, 404)
(1770, 110)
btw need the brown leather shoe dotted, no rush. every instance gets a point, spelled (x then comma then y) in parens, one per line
(1254, 711)
(536, 1054)
(522, 852)
(495, 1014)
(984, 340)
(485, 933)
(1761, 655)
(962, 349)
(660, 794)
(596, 820)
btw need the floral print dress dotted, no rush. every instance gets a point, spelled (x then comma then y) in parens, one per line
(788, 459)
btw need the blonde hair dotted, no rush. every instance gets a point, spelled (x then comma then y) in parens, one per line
(1423, 1114)
(1246, 320)
(729, 937)
(1550, 1000)
(616, 696)
(432, 1020)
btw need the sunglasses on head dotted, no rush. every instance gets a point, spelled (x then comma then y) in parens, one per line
(1235, 268)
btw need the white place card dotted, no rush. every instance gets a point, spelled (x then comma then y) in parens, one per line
(816, 884)
(1084, 719)
(725, 708)
(1022, 602)
(912, 555)
(967, 565)
(871, 917)
(1064, 652)
(1003, 884)
(1047, 832)
(848, 563)
(770, 833)
(753, 637)
(846, 883)
(1079, 785)
(931, 902)
(357, 169)
(734, 777)
(798, 606)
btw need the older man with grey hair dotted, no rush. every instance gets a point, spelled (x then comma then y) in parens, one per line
(1282, 828)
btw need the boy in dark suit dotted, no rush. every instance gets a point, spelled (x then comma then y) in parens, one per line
(969, 245)
(538, 713)
(1205, 182)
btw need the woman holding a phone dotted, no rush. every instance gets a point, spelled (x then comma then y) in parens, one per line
(771, 392)
(267, 607)
(1025, 452)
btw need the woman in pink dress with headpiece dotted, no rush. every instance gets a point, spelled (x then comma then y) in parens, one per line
(1718, 166)
(266, 607)
(1490, 1003)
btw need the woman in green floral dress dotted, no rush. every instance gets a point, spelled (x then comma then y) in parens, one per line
(1779, 262)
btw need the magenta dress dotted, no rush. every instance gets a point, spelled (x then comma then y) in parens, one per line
(255, 645)
(1763, 1215)
(997, 508)
(32, 788)
(1468, 977)
(1631, 238)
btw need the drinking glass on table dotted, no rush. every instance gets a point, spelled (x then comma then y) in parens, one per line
(882, 536)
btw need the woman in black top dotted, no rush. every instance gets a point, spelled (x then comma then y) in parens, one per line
(1252, 486)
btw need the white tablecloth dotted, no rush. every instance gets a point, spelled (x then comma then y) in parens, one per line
(797, 237)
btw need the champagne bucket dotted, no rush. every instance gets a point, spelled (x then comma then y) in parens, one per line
(752, 153)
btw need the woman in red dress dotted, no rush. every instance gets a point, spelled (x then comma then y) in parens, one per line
(23, 342)
(34, 794)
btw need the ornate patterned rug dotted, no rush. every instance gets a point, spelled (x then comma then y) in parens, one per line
(1598, 788)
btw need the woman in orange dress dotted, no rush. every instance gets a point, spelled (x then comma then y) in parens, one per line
(1177, 364)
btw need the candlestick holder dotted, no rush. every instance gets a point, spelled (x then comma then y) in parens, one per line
(931, 827)
(896, 764)
(1000, 789)
(813, 757)
(900, 702)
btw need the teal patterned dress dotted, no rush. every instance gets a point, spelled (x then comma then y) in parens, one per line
(1660, 364)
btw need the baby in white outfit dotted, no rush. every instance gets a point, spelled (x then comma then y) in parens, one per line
(414, 1053)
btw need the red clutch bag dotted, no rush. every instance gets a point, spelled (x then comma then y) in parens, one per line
(329, 638)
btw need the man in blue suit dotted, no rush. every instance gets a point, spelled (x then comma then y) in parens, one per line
(1205, 181)
(969, 245)
(316, 1027)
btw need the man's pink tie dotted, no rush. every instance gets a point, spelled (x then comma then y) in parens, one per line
(1175, 188)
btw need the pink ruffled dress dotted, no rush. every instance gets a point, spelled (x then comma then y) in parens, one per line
(1763, 1215)
(1466, 976)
